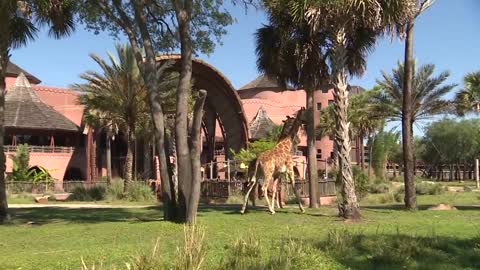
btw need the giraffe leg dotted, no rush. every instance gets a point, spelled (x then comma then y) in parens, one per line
(279, 196)
(265, 185)
(291, 175)
(274, 192)
(252, 185)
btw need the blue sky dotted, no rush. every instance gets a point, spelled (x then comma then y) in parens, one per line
(447, 35)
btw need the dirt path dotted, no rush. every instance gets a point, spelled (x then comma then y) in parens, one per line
(76, 206)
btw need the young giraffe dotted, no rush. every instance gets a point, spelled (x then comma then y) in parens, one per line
(278, 160)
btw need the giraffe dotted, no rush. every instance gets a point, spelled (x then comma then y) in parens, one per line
(278, 160)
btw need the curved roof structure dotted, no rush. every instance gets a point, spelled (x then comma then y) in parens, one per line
(222, 99)
(25, 110)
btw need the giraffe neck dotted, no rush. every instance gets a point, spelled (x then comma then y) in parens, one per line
(285, 143)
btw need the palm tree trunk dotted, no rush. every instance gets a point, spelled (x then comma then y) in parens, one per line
(407, 138)
(312, 149)
(349, 207)
(128, 161)
(109, 157)
(195, 146)
(183, 12)
(147, 160)
(4, 216)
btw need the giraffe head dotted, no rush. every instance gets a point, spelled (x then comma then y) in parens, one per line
(292, 124)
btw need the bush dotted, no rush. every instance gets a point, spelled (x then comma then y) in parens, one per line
(192, 255)
(115, 190)
(95, 193)
(424, 188)
(379, 187)
(139, 192)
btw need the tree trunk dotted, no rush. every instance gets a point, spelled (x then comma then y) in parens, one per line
(147, 160)
(109, 157)
(349, 207)
(4, 216)
(183, 13)
(128, 161)
(195, 146)
(312, 149)
(407, 138)
(370, 146)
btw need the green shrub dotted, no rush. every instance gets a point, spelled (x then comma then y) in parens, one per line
(115, 190)
(379, 187)
(243, 254)
(425, 188)
(361, 182)
(140, 192)
(20, 170)
(95, 193)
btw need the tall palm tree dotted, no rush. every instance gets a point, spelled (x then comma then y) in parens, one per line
(19, 23)
(468, 99)
(351, 27)
(407, 28)
(118, 95)
(427, 92)
(291, 53)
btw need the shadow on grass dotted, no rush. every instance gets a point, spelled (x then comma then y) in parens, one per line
(40, 216)
(400, 251)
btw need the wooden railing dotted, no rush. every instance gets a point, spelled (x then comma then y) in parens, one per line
(41, 149)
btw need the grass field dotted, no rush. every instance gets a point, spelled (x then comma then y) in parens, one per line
(387, 238)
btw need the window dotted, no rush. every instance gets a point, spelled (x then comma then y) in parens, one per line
(330, 101)
(332, 155)
(319, 106)
(319, 154)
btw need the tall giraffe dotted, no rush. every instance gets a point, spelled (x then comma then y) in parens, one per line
(278, 160)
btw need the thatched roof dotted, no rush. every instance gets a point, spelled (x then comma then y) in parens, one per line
(263, 82)
(261, 125)
(25, 110)
(14, 71)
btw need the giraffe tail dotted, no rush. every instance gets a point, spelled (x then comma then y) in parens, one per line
(254, 176)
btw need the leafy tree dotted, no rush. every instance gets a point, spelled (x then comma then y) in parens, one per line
(351, 28)
(20, 170)
(468, 99)
(254, 149)
(159, 26)
(450, 142)
(384, 146)
(19, 23)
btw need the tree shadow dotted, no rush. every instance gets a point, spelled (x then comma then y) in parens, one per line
(420, 207)
(401, 251)
(41, 216)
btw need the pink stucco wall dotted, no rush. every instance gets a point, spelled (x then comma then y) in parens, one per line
(55, 163)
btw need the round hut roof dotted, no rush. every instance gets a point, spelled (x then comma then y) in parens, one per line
(261, 125)
(25, 110)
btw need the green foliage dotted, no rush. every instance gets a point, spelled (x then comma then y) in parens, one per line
(208, 19)
(468, 99)
(20, 170)
(428, 92)
(254, 149)
(139, 192)
(451, 142)
(248, 254)
(385, 144)
(95, 193)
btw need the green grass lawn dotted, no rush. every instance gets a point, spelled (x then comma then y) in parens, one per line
(387, 238)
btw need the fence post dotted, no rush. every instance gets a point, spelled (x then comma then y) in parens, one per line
(228, 170)
(211, 169)
(476, 173)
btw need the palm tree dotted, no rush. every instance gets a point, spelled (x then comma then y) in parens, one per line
(427, 93)
(19, 23)
(293, 54)
(118, 95)
(351, 27)
(468, 99)
(406, 28)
